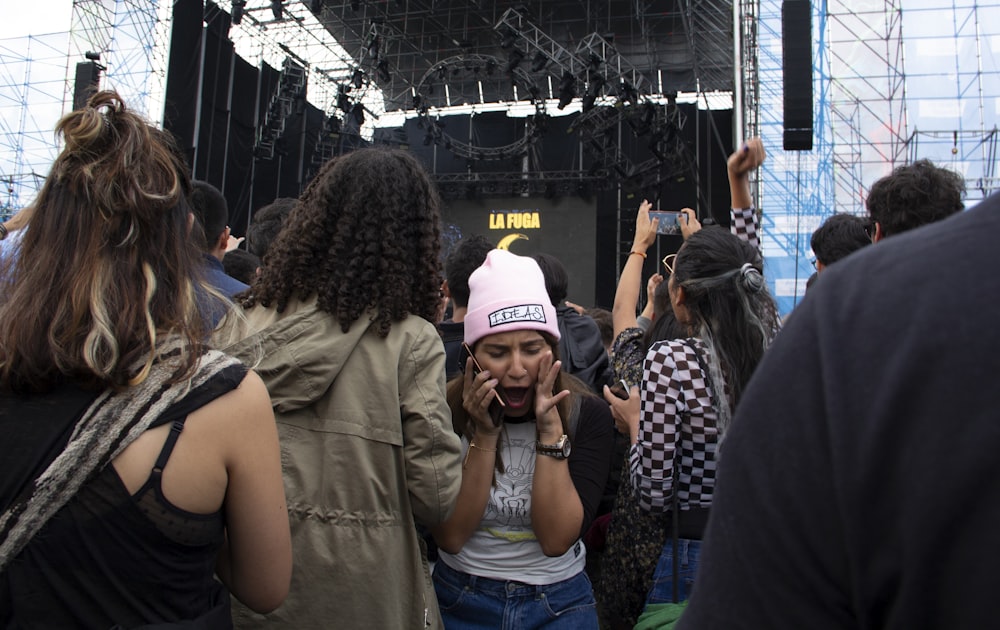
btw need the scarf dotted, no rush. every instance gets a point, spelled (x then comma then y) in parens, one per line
(112, 422)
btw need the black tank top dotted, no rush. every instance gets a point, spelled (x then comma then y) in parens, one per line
(107, 558)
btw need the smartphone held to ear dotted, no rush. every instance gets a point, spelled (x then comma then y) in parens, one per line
(670, 221)
(497, 404)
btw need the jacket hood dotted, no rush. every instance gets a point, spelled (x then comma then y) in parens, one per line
(291, 351)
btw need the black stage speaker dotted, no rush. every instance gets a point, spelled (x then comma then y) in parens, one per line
(796, 67)
(88, 80)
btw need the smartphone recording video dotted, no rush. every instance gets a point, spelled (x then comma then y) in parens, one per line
(669, 221)
(497, 404)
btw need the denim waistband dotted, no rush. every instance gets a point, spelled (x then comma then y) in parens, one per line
(500, 588)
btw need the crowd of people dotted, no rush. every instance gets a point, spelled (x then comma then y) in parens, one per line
(286, 430)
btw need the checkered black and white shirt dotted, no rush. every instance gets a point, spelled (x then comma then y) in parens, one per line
(743, 223)
(677, 412)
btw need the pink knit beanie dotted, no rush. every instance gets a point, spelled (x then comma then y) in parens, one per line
(507, 292)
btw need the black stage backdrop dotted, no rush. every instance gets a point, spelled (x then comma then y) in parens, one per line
(564, 228)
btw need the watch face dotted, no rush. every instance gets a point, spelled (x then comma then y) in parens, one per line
(559, 450)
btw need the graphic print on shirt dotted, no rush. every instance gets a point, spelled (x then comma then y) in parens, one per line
(510, 501)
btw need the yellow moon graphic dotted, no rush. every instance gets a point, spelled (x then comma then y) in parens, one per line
(506, 241)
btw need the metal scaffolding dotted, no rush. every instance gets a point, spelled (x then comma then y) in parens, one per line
(893, 84)
(37, 82)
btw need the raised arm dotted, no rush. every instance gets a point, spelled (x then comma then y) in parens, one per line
(743, 218)
(627, 294)
(556, 509)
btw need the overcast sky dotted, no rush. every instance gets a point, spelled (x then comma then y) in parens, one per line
(44, 16)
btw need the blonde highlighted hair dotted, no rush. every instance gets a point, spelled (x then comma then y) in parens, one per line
(106, 267)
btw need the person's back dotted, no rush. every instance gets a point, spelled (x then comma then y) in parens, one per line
(858, 487)
(119, 480)
(212, 214)
(341, 318)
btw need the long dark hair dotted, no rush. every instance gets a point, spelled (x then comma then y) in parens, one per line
(365, 236)
(730, 306)
(106, 266)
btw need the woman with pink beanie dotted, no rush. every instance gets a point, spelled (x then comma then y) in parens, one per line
(538, 448)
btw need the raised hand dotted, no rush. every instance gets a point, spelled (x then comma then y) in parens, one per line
(546, 411)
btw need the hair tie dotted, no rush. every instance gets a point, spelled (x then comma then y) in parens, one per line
(752, 279)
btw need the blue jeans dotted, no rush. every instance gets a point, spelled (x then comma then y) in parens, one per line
(469, 602)
(662, 590)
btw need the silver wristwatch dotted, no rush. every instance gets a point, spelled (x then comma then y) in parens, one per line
(559, 450)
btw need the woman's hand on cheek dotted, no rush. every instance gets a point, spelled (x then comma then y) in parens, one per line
(546, 409)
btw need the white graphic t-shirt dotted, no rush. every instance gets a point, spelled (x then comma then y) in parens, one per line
(504, 547)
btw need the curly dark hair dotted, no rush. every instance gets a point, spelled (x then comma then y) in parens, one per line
(366, 235)
(914, 195)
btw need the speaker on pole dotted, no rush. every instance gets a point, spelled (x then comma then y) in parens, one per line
(88, 81)
(797, 79)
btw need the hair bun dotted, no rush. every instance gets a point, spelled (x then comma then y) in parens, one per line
(751, 279)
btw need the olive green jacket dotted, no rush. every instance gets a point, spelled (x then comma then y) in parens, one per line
(367, 448)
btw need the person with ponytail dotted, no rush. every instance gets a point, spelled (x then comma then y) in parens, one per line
(690, 386)
(122, 491)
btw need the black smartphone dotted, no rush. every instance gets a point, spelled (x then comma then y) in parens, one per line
(620, 389)
(497, 404)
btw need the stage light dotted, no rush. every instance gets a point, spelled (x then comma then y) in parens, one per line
(534, 92)
(383, 70)
(343, 100)
(417, 100)
(627, 92)
(491, 66)
(514, 59)
(238, 7)
(539, 61)
(508, 38)
(567, 90)
(358, 113)
(358, 78)
(276, 9)
(316, 6)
